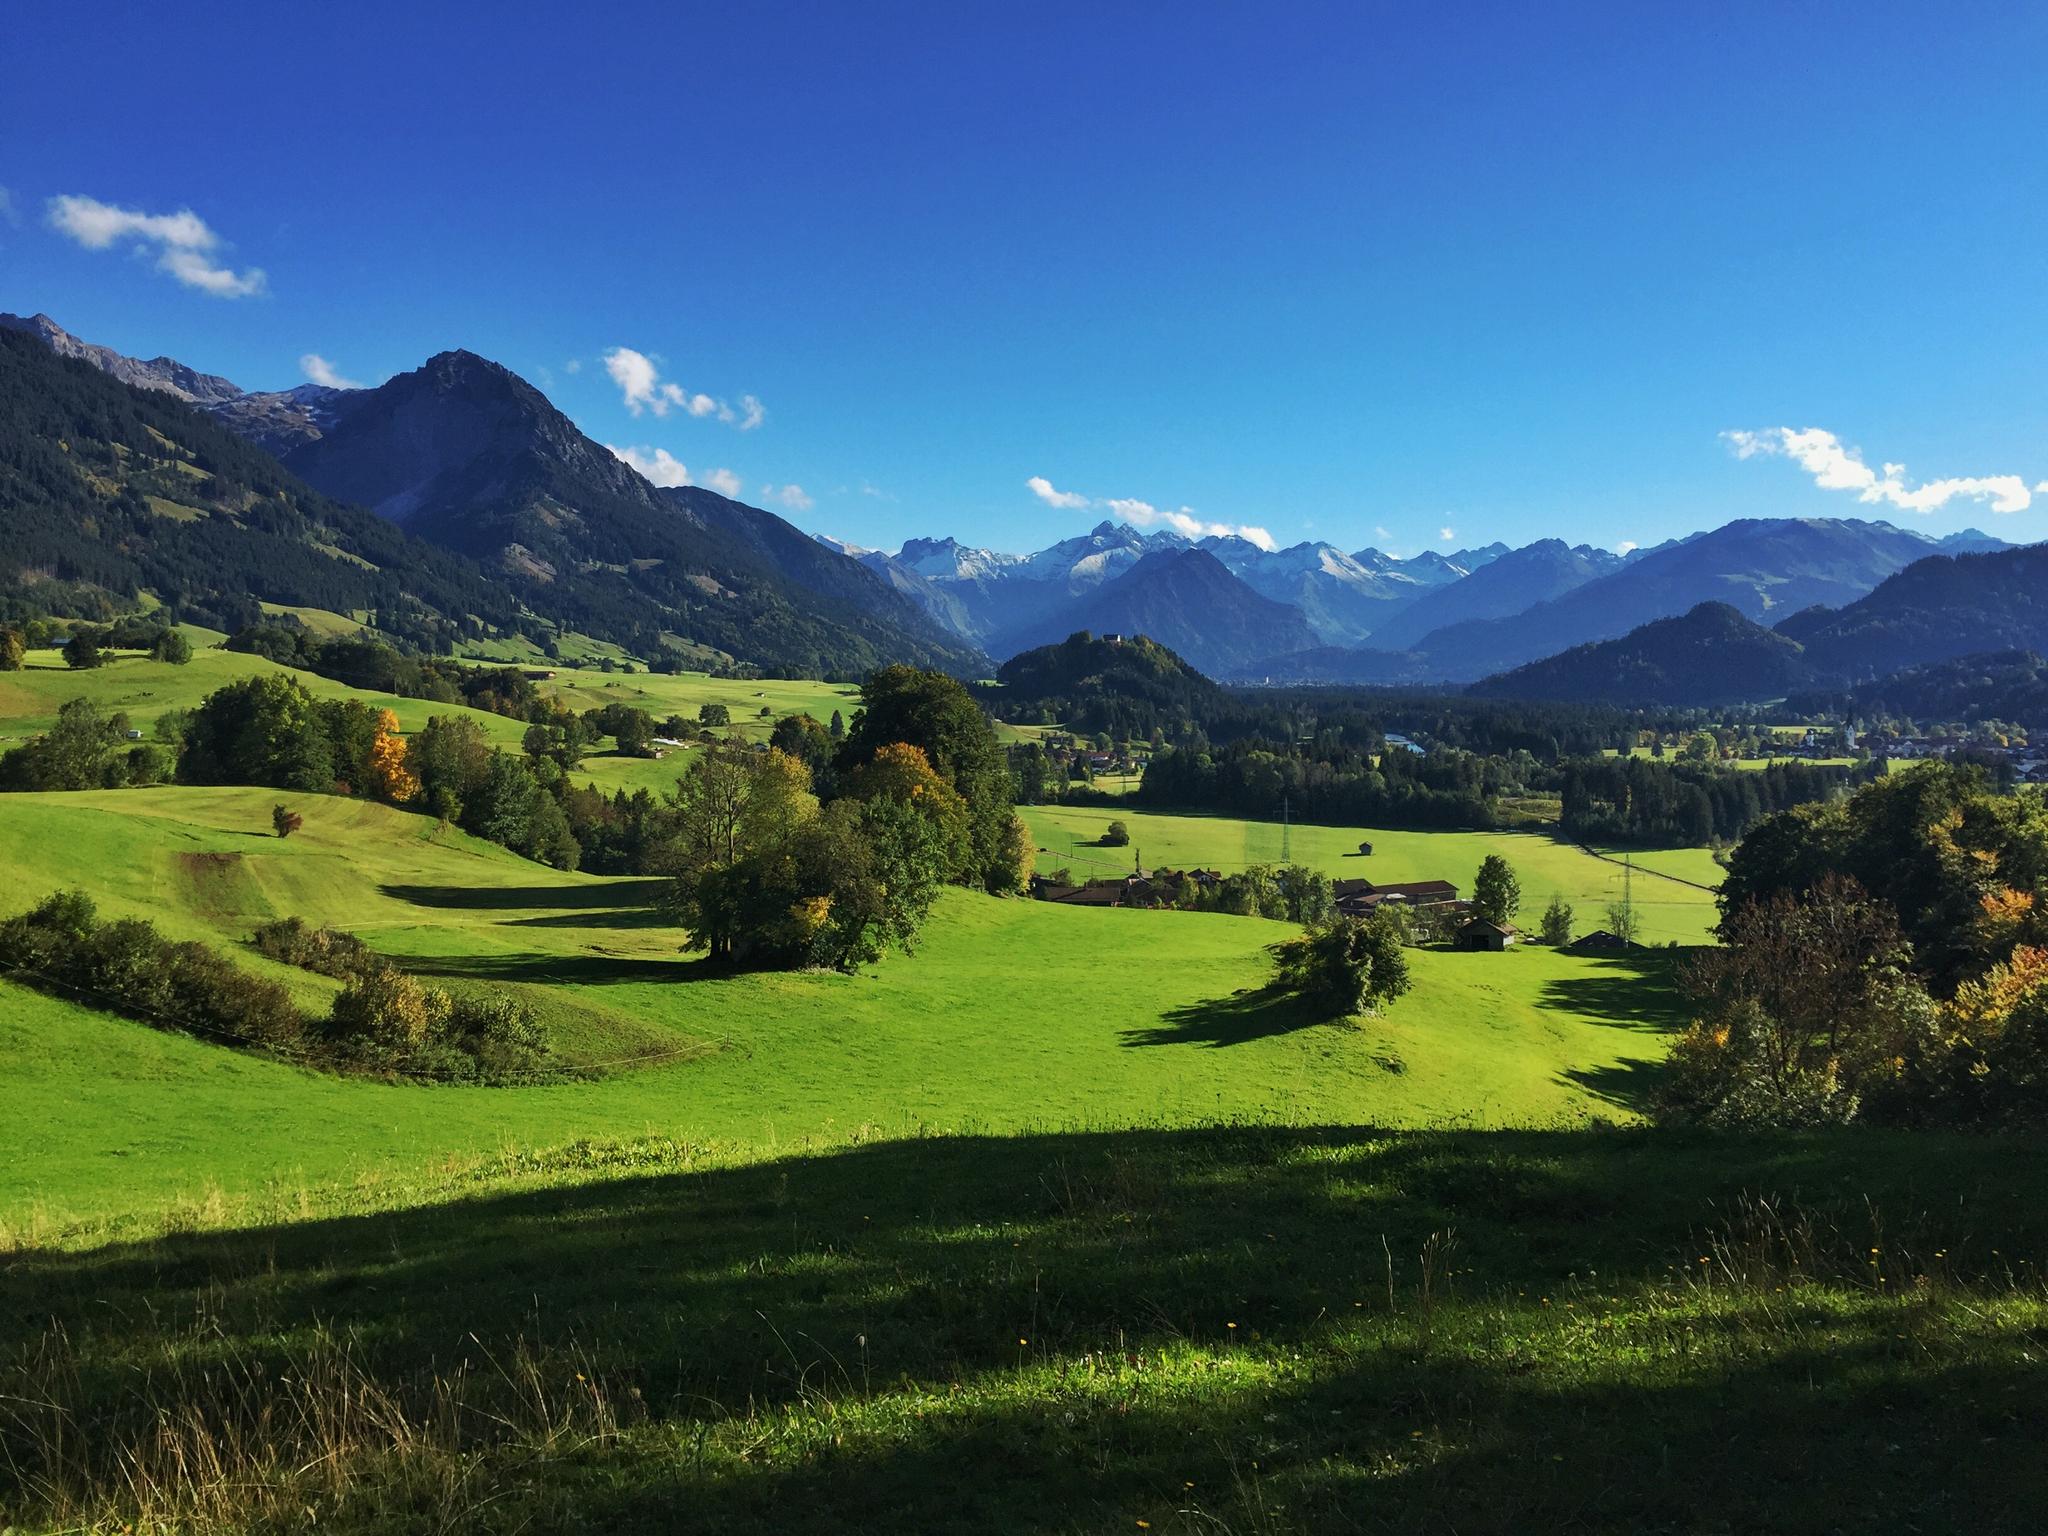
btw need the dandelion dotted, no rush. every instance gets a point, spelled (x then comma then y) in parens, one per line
(1230, 1325)
(1023, 1343)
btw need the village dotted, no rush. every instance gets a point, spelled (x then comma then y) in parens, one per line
(1431, 910)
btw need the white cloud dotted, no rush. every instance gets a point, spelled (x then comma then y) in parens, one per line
(791, 496)
(183, 243)
(1066, 501)
(642, 388)
(574, 365)
(1144, 514)
(1626, 546)
(723, 481)
(1837, 467)
(656, 465)
(1447, 534)
(1382, 533)
(320, 371)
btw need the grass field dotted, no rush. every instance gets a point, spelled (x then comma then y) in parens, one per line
(1013, 1015)
(132, 684)
(1060, 1225)
(1669, 911)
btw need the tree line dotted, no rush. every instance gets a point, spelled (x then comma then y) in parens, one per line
(1884, 958)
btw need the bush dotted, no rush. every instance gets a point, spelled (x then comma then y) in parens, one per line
(327, 951)
(129, 968)
(1557, 923)
(1343, 966)
(1116, 835)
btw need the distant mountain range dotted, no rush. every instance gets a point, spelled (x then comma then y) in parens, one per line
(1948, 635)
(465, 455)
(1712, 655)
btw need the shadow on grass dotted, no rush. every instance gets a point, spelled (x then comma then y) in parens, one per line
(1234, 1020)
(1078, 1332)
(1638, 991)
(1628, 991)
(583, 970)
(612, 896)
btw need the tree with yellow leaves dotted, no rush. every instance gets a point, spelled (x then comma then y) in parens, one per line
(390, 779)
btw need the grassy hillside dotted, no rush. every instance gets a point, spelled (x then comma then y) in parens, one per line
(1669, 911)
(1186, 1331)
(144, 689)
(1012, 1016)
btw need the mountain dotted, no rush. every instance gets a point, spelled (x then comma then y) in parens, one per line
(1712, 655)
(164, 374)
(280, 420)
(1187, 601)
(1015, 601)
(1086, 674)
(465, 453)
(275, 421)
(1941, 607)
(1499, 588)
(2005, 685)
(1343, 600)
(109, 491)
(940, 605)
(1763, 567)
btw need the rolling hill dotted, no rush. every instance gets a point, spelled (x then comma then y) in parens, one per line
(1941, 607)
(1712, 655)
(1187, 601)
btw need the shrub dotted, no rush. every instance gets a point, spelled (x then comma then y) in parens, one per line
(1343, 966)
(1557, 922)
(1116, 835)
(285, 821)
(328, 951)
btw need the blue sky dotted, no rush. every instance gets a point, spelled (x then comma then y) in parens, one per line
(1398, 275)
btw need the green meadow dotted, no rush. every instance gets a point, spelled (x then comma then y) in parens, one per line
(1012, 1016)
(1061, 1224)
(1670, 911)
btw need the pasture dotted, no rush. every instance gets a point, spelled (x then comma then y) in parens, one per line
(1061, 1224)
(1670, 912)
(1013, 1015)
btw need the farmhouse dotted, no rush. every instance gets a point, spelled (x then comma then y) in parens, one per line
(1599, 941)
(1481, 934)
(1357, 898)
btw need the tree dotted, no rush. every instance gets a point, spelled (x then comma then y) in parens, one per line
(1343, 966)
(389, 778)
(284, 820)
(173, 647)
(261, 730)
(1116, 835)
(1496, 893)
(933, 711)
(452, 759)
(1557, 922)
(12, 650)
(806, 740)
(82, 651)
(1623, 923)
(735, 814)
(78, 752)
(1807, 1008)
(714, 715)
(902, 773)
(837, 728)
